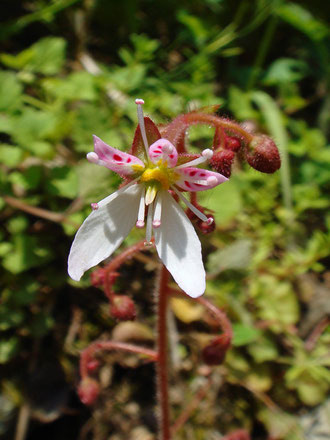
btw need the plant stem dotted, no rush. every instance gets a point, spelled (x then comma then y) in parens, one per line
(162, 370)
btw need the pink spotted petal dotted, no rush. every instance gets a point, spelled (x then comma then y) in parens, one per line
(196, 179)
(165, 151)
(116, 160)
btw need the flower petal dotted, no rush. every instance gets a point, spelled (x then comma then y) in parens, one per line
(116, 160)
(104, 230)
(179, 248)
(165, 151)
(197, 179)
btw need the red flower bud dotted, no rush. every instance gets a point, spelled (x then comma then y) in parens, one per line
(93, 365)
(206, 227)
(262, 154)
(97, 277)
(240, 434)
(215, 352)
(222, 161)
(88, 391)
(123, 308)
(232, 143)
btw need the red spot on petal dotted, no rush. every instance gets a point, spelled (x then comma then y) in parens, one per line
(187, 184)
(129, 160)
(117, 157)
(171, 156)
(202, 174)
(192, 173)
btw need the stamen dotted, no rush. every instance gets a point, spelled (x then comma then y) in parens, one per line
(95, 206)
(206, 155)
(211, 180)
(192, 208)
(141, 214)
(92, 157)
(139, 103)
(149, 224)
(158, 212)
(150, 194)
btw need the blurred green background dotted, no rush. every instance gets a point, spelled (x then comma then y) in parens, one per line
(72, 68)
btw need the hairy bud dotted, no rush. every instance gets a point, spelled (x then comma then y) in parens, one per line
(262, 154)
(97, 277)
(233, 143)
(240, 434)
(222, 161)
(206, 227)
(215, 352)
(123, 308)
(93, 365)
(88, 391)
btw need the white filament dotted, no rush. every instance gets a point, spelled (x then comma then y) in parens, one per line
(139, 103)
(206, 155)
(158, 211)
(192, 208)
(149, 224)
(141, 213)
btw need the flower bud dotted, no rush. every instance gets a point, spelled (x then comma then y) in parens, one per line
(97, 277)
(222, 161)
(88, 391)
(206, 227)
(262, 154)
(232, 143)
(123, 308)
(215, 352)
(93, 365)
(239, 434)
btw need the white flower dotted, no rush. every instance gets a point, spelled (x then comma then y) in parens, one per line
(113, 218)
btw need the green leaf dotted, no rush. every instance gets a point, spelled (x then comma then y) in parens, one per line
(63, 182)
(33, 125)
(10, 91)
(10, 317)
(26, 254)
(46, 56)
(8, 349)
(10, 155)
(225, 200)
(302, 19)
(244, 334)
(285, 70)
(236, 256)
(77, 85)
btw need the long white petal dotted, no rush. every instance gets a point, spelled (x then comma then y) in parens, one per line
(104, 230)
(179, 248)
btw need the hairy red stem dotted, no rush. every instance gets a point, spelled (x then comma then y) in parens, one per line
(89, 352)
(162, 368)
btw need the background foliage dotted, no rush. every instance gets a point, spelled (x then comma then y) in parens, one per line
(71, 68)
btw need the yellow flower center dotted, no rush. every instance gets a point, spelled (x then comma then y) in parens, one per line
(163, 176)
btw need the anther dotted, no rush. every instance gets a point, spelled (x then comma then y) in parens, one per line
(95, 206)
(209, 221)
(139, 224)
(212, 180)
(148, 244)
(139, 101)
(92, 157)
(168, 149)
(156, 224)
(207, 153)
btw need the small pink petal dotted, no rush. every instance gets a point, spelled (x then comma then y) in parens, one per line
(165, 151)
(114, 159)
(196, 179)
